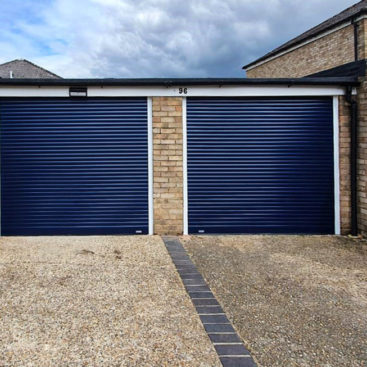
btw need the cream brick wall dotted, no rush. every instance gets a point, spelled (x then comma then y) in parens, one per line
(344, 164)
(167, 165)
(362, 39)
(325, 53)
(362, 158)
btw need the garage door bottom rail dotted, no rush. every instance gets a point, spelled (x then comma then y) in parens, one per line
(78, 231)
(227, 343)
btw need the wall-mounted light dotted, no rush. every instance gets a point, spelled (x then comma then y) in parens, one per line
(78, 92)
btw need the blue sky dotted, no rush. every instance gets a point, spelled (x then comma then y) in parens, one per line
(153, 38)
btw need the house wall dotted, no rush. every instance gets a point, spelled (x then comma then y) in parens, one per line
(325, 53)
(362, 157)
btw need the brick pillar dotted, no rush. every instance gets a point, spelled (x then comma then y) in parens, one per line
(362, 44)
(362, 158)
(167, 165)
(344, 157)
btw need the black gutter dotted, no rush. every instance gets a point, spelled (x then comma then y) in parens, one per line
(170, 82)
(353, 160)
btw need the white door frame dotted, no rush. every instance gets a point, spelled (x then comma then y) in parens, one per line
(336, 165)
(150, 166)
(184, 167)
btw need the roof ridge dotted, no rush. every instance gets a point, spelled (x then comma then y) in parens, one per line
(8, 62)
(33, 64)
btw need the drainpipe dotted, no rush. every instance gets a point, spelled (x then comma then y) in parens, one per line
(353, 159)
(355, 28)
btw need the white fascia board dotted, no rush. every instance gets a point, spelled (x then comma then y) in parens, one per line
(190, 91)
(218, 91)
(33, 91)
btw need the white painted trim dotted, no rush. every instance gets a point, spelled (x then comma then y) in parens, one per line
(245, 90)
(336, 165)
(184, 166)
(33, 91)
(150, 165)
(344, 25)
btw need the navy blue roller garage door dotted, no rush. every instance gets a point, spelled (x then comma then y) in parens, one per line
(74, 166)
(260, 165)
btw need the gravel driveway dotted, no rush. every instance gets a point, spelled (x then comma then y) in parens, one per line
(96, 301)
(295, 300)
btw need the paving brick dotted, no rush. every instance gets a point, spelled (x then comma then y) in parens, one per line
(231, 350)
(219, 328)
(205, 302)
(209, 309)
(201, 295)
(214, 319)
(224, 338)
(201, 288)
(193, 281)
(237, 362)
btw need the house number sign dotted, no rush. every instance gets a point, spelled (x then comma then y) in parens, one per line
(182, 90)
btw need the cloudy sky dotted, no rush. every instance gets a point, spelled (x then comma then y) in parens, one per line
(153, 38)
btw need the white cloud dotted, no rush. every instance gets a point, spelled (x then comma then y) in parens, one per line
(157, 38)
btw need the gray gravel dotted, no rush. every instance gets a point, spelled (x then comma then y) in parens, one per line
(96, 301)
(295, 300)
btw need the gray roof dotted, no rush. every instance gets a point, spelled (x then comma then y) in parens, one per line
(171, 82)
(352, 69)
(346, 15)
(20, 69)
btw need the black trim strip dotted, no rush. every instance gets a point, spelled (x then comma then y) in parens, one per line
(171, 82)
(227, 343)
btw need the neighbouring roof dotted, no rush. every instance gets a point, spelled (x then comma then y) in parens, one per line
(170, 82)
(346, 15)
(352, 69)
(21, 68)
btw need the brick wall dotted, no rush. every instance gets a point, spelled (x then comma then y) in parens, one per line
(362, 158)
(362, 42)
(325, 53)
(344, 164)
(167, 165)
